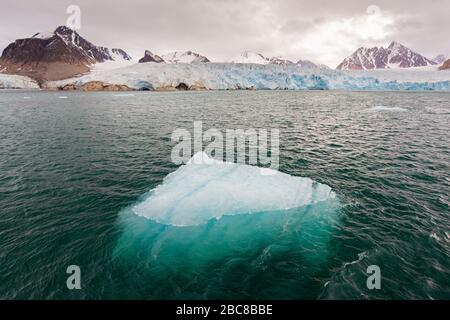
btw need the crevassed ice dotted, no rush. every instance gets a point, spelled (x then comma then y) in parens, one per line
(203, 190)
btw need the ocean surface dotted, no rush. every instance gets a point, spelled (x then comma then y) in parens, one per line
(73, 165)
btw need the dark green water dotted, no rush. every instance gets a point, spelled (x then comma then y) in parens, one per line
(71, 168)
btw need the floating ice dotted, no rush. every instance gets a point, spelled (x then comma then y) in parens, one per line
(124, 95)
(208, 189)
(386, 108)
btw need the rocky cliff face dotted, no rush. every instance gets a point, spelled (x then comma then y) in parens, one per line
(58, 55)
(394, 56)
(446, 65)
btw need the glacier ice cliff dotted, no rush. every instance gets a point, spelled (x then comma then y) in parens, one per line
(228, 76)
(8, 81)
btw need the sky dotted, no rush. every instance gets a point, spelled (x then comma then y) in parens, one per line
(321, 31)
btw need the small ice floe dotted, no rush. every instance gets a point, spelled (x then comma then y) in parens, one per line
(435, 236)
(435, 110)
(62, 97)
(124, 95)
(387, 108)
(206, 189)
(27, 98)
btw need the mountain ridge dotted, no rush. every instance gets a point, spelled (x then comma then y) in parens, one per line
(57, 55)
(395, 55)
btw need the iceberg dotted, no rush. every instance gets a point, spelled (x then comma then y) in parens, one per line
(206, 189)
(211, 228)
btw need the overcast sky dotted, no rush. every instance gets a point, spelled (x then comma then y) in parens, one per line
(322, 31)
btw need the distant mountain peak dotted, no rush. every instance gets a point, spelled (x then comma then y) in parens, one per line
(184, 57)
(250, 57)
(396, 55)
(306, 64)
(151, 57)
(280, 61)
(445, 65)
(56, 55)
(440, 58)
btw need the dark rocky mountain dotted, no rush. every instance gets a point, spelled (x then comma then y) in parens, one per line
(58, 55)
(394, 56)
(151, 57)
(445, 66)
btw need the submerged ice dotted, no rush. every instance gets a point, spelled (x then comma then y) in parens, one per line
(224, 230)
(209, 189)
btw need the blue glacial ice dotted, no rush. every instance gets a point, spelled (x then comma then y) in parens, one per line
(205, 189)
(209, 222)
(229, 76)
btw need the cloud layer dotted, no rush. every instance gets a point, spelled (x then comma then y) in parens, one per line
(322, 31)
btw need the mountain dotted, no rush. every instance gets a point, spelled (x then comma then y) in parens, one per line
(151, 57)
(440, 59)
(184, 57)
(250, 57)
(394, 56)
(280, 61)
(257, 58)
(306, 64)
(56, 55)
(445, 66)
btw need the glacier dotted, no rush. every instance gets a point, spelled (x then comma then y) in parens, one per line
(206, 189)
(234, 76)
(8, 81)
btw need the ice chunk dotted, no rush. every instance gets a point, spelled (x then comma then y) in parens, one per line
(386, 108)
(204, 189)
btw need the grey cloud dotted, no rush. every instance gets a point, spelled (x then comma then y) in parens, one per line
(221, 29)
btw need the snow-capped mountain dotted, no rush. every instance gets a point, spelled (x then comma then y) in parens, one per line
(257, 58)
(151, 57)
(440, 59)
(306, 64)
(184, 57)
(394, 56)
(280, 61)
(55, 55)
(250, 57)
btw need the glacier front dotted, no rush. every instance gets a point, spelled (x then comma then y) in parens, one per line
(236, 76)
(206, 189)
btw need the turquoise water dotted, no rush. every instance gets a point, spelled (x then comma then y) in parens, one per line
(71, 168)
